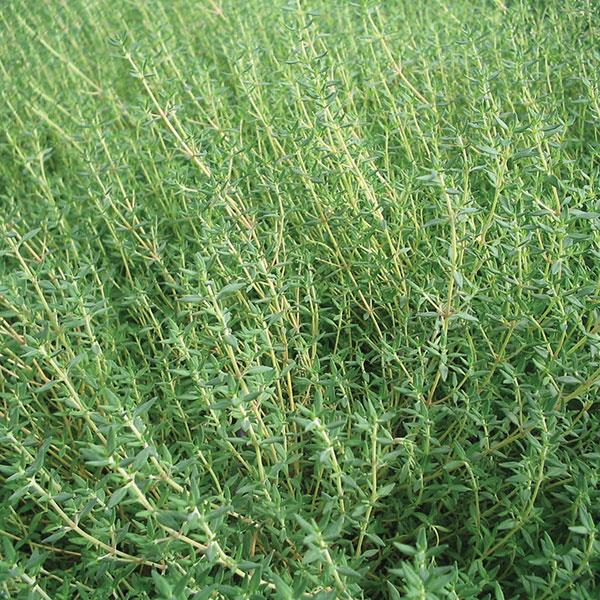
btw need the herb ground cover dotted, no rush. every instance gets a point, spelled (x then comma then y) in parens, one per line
(299, 300)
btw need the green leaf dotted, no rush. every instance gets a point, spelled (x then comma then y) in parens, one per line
(230, 289)
(192, 299)
(117, 496)
(142, 457)
(579, 530)
(393, 591)
(161, 585)
(348, 572)
(231, 340)
(405, 549)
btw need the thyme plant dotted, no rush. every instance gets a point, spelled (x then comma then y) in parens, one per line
(299, 299)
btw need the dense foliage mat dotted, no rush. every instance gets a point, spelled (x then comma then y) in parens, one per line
(299, 300)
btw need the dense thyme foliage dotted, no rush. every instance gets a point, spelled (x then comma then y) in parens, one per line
(299, 301)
